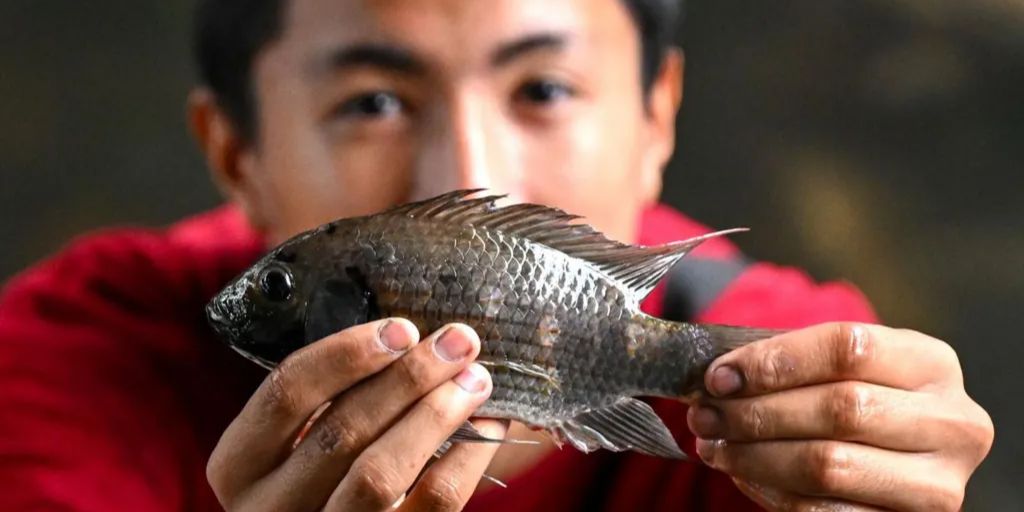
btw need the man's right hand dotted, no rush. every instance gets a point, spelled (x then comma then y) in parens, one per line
(394, 401)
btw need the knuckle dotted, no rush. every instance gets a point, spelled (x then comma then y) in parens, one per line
(979, 432)
(440, 410)
(281, 397)
(829, 468)
(349, 357)
(945, 498)
(946, 353)
(756, 421)
(951, 501)
(851, 406)
(442, 493)
(355, 342)
(853, 348)
(413, 374)
(986, 434)
(945, 356)
(215, 475)
(374, 485)
(772, 368)
(334, 436)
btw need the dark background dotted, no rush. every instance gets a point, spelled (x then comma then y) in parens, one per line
(877, 141)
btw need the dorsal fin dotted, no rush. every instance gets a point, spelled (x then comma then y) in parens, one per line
(638, 268)
(642, 268)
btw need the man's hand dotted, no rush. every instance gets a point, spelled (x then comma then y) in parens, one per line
(843, 417)
(393, 403)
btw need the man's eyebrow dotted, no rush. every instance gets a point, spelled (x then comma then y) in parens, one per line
(378, 55)
(535, 42)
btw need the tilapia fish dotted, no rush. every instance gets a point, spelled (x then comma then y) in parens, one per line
(556, 305)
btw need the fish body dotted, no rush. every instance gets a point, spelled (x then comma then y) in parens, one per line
(556, 306)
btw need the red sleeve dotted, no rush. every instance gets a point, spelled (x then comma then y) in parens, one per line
(767, 295)
(97, 378)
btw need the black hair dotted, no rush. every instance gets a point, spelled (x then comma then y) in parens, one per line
(229, 34)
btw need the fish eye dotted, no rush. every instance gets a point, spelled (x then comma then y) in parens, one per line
(276, 283)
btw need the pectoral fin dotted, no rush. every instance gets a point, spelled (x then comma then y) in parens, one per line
(443, 449)
(531, 370)
(467, 433)
(629, 424)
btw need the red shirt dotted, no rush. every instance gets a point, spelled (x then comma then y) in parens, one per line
(113, 391)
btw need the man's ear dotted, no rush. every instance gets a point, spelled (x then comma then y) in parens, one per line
(663, 102)
(229, 156)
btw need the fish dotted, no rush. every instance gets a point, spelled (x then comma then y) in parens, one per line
(555, 302)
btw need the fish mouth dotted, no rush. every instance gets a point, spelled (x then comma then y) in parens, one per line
(217, 317)
(220, 320)
(224, 321)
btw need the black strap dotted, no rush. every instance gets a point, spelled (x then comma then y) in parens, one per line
(693, 284)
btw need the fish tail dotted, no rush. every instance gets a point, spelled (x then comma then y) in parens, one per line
(715, 341)
(665, 359)
(673, 356)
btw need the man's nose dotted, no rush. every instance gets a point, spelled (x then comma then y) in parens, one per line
(466, 146)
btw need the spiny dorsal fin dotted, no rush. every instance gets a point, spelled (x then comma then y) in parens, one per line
(638, 268)
(425, 207)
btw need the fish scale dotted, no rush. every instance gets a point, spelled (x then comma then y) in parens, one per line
(556, 306)
(592, 384)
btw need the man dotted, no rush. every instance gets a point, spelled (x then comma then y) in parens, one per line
(114, 395)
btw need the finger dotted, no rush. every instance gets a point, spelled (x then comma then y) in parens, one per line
(388, 467)
(831, 353)
(834, 469)
(847, 411)
(774, 499)
(450, 482)
(355, 419)
(261, 435)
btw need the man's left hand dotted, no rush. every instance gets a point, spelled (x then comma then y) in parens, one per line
(843, 417)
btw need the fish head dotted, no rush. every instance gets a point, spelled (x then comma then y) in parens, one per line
(261, 313)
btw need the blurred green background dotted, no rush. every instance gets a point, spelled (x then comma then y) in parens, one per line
(878, 141)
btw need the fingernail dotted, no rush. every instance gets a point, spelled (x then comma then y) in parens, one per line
(706, 421)
(706, 449)
(472, 379)
(395, 336)
(453, 346)
(725, 380)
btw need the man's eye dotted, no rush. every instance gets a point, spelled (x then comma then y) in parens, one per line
(544, 91)
(374, 104)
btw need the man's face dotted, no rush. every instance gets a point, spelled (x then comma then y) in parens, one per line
(364, 104)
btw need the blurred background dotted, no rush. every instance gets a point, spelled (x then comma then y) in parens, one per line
(876, 141)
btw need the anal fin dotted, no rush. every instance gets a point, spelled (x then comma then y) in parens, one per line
(628, 424)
